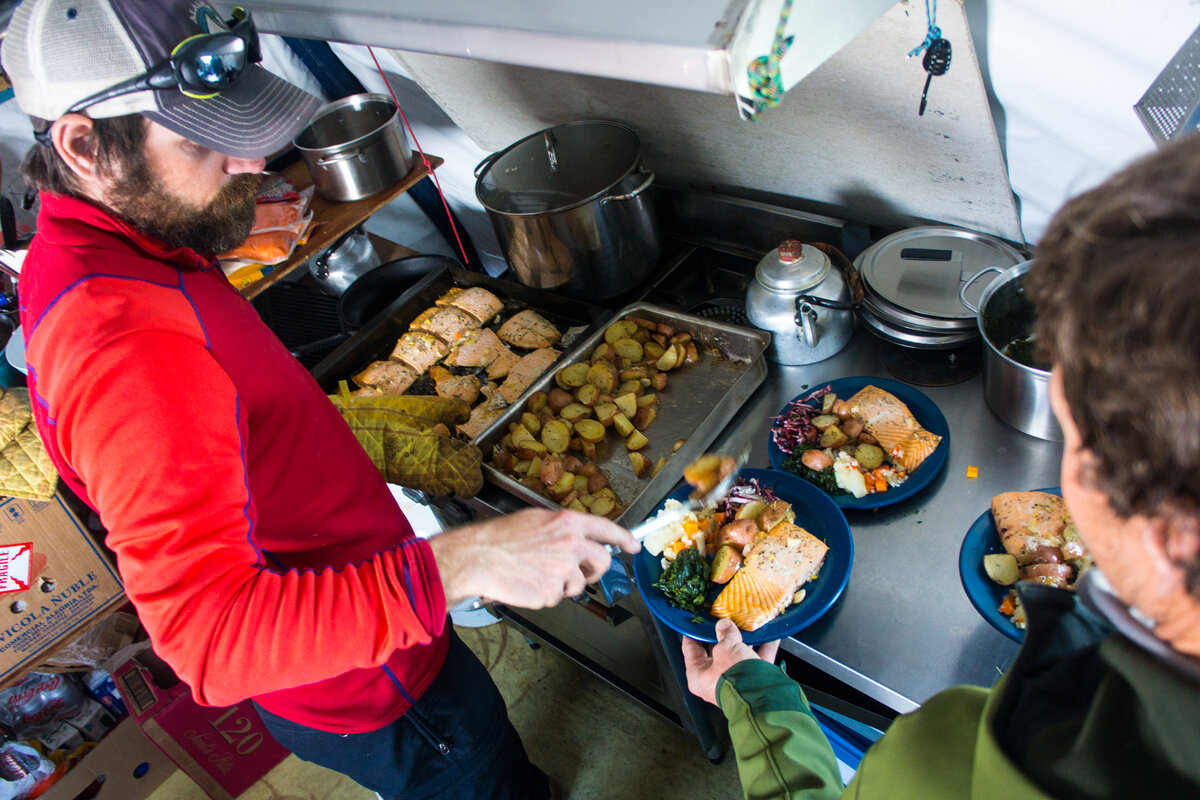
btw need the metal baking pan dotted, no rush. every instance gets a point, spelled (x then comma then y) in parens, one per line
(375, 340)
(697, 404)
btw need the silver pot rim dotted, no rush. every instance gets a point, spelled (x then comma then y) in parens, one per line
(353, 101)
(482, 169)
(1005, 277)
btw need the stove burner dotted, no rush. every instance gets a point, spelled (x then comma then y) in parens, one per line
(722, 309)
(931, 367)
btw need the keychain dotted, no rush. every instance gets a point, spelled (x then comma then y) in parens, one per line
(937, 52)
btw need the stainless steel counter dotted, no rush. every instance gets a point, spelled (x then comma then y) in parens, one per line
(904, 629)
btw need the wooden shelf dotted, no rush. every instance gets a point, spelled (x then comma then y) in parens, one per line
(335, 218)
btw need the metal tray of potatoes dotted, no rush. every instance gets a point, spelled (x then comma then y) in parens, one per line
(698, 402)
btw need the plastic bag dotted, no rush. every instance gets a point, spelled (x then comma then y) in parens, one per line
(282, 222)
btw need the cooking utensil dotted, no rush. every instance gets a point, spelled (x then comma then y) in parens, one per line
(346, 260)
(693, 504)
(923, 409)
(372, 291)
(355, 147)
(803, 301)
(572, 209)
(817, 514)
(1018, 393)
(911, 281)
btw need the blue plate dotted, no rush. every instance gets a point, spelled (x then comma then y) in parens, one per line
(816, 513)
(983, 539)
(922, 408)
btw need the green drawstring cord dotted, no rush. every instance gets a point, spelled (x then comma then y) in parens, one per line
(764, 70)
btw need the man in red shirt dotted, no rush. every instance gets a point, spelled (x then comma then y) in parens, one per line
(262, 549)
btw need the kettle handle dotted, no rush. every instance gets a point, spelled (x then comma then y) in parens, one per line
(806, 318)
(322, 261)
(486, 162)
(962, 291)
(837, 305)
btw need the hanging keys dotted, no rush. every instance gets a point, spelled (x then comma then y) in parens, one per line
(936, 62)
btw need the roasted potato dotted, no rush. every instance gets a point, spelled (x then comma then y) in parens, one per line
(572, 377)
(777, 511)
(636, 441)
(589, 430)
(559, 399)
(556, 436)
(739, 532)
(621, 329)
(725, 563)
(832, 437)
(641, 464)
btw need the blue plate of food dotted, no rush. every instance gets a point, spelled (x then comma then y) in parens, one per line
(780, 556)
(986, 595)
(891, 446)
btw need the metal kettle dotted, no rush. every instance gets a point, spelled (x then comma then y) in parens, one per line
(803, 301)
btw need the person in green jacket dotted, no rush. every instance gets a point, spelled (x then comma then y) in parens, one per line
(1103, 699)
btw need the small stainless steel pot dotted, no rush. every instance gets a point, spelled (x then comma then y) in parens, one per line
(572, 210)
(1018, 393)
(354, 147)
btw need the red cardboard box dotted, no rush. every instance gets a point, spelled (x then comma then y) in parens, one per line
(224, 750)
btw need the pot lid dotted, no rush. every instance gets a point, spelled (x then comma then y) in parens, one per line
(557, 168)
(920, 270)
(793, 267)
(888, 330)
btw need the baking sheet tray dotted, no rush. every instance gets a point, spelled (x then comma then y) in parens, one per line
(375, 340)
(697, 404)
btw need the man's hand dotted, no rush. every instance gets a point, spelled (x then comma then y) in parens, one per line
(703, 670)
(531, 559)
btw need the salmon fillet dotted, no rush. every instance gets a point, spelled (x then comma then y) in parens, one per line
(529, 330)
(448, 297)
(1029, 520)
(479, 303)
(482, 416)
(423, 318)
(386, 377)
(777, 565)
(890, 421)
(419, 350)
(449, 324)
(525, 372)
(503, 365)
(479, 348)
(447, 384)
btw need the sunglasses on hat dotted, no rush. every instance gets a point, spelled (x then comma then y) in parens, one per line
(200, 66)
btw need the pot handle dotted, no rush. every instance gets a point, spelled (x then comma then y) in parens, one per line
(962, 292)
(326, 161)
(837, 305)
(486, 161)
(645, 185)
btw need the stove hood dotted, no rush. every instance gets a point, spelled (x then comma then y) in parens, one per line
(700, 45)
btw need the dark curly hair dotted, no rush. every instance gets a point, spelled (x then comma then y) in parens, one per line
(114, 140)
(1116, 283)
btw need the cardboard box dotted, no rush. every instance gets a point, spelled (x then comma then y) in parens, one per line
(126, 765)
(224, 750)
(54, 581)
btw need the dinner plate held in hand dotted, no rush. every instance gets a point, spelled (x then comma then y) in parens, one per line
(985, 594)
(927, 414)
(816, 513)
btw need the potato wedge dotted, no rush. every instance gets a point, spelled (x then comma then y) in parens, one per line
(604, 352)
(552, 469)
(605, 412)
(536, 402)
(587, 394)
(832, 437)
(628, 348)
(725, 563)
(636, 441)
(641, 464)
(563, 486)
(603, 375)
(532, 422)
(621, 329)
(627, 403)
(559, 399)
(574, 412)
(644, 417)
(589, 430)
(823, 421)
(556, 436)
(622, 425)
(534, 470)
(572, 377)
(670, 358)
(603, 505)
(532, 449)
(598, 483)
(740, 532)
(658, 465)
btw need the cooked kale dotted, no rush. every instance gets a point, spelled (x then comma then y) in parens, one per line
(685, 581)
(822, 479)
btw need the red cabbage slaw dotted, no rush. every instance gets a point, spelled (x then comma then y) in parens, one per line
(794, 427)
(743, 492)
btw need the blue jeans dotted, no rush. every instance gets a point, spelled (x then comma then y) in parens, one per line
(456, 742)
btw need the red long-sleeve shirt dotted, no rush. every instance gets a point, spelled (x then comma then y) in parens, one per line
(263, 551)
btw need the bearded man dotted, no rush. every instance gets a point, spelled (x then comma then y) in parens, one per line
(263, 551)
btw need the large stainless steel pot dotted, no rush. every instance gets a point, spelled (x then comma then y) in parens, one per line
(572, 210)
(1017, 392)
(355, 147)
